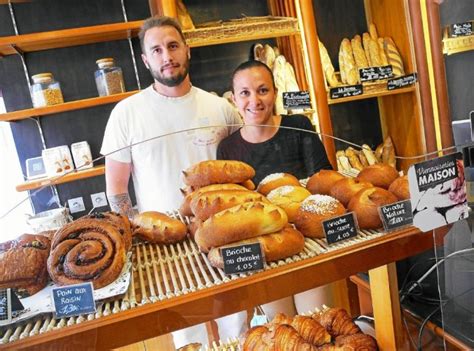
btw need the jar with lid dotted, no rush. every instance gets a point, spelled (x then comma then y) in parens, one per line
(45, 91)
(108, 77)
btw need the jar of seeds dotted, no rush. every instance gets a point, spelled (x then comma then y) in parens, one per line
(45, 91)
(108, 77)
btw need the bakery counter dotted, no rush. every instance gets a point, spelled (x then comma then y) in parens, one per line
(175, 286)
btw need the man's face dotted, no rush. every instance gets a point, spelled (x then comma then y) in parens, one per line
(166, 55)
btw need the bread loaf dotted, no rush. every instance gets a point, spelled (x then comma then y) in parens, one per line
(343, 160)
(345, 189)
(359, 54)
(383, 56)
(276, 180)
(241, 222)
(380, 174)
(366, 40)
(350, 70)
(217, 172)
(193, 226)
(328, 68)
(322, 181)
(369, 154)
(353, 157)
(211, 202)
(388, 153)
(289, 198)
(275, 246)
(394, 57)
(374, 53)
(158, 228)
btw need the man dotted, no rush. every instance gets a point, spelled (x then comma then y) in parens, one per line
(171, 104)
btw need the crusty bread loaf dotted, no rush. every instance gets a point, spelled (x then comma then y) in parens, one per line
(394, 57)
(185, 209)
(322, 181)
(343, 161)
(383, 55)
(400, 188)
(374, 53)
(345, 189)
(388, 152)
(373, 31)
(276, 180)
(241, 222)
(328, 68)
(211, 202)
(380, 174)
(359, 54)
(365, 205)
(158, 228)
(353, 157)
(289, 198)
(349, 66)
(366, 41)
(369, 154)
(275, 246)
(313, 211)
(217, 172)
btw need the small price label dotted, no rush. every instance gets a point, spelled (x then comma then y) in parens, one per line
(296, 100)
(396, 216)
(340, 228)
(73, 300)
(400, 82)
(346, 91)
(242, 258)
(461, 29)
(374, 73)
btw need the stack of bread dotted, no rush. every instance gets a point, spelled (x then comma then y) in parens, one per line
(331, 329)
(351, 158)
(228, 214)
(368, 51)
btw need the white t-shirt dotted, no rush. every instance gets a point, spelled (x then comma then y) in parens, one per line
(157, 163)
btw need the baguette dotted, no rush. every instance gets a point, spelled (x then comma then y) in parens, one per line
(388, 154)
(209, 203)
(217, 172)
(353, 158)
(383, 56)
(351, 73)
(374, 53)
(369, 154)
(275, 246)
(373, 32)
(394, 57)
(342, 67)
(363, 159)
(366, 41)
(343, 160)
(158, 228)
(378, 152)
(241, 222)
(328, 68)
(359, 54)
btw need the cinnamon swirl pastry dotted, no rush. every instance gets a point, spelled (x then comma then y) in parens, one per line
(87, 250)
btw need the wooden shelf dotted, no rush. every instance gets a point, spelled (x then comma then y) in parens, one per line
(67, 37)
(457, 45)
(372, 94)
(67, 106)
(70, 177)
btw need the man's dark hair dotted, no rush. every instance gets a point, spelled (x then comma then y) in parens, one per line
(162, 21)
(251, 64)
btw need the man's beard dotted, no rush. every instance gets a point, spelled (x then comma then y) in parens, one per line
(171, 81)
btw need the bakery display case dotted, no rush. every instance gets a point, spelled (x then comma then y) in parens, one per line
(176, 285)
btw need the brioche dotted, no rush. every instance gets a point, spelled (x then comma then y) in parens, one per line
(399, 188)
(289, 198)
(193, 226)
(313, 211)
(211, 202)
(275, 246)
(365, 205)
(380, 175)
(158, 228)
(343, 190)
(217, 172)
(241, 222)
(328, 68)
(276, 180)
(248, 184)
(322, 181)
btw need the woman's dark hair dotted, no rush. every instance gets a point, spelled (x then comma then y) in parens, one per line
(251, 64)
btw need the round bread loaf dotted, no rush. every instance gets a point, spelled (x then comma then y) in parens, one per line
(399, 188)
(289, 198)
(346, 188)
(380, 174)
(322, 181)
(158, 228)
(244, 221)
(276, 180)
(313, 211)
(217, 172)
(365, 205)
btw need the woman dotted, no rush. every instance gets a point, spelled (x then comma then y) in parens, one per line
(271, 149)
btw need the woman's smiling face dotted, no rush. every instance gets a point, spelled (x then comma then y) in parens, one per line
(254, 94)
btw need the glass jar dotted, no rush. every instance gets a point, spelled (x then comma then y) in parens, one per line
(108, 77)
(45, 91)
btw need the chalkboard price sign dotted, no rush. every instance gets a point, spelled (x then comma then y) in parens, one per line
(401, 82)
(5, 306)
(296, 100)
(461, 29)
(374, 73)
(340, 228)
(346, 91)
(397, 215)
(73, 300)
(242, 258)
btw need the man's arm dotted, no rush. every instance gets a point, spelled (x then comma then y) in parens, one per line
(117, 175)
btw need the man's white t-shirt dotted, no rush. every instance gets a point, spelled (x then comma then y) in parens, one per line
(173, 140)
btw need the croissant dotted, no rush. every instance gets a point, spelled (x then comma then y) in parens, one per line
(254, 339)
(286, 338)
(356, 342)
(310, 330)
(281, 318)
(337, 322)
